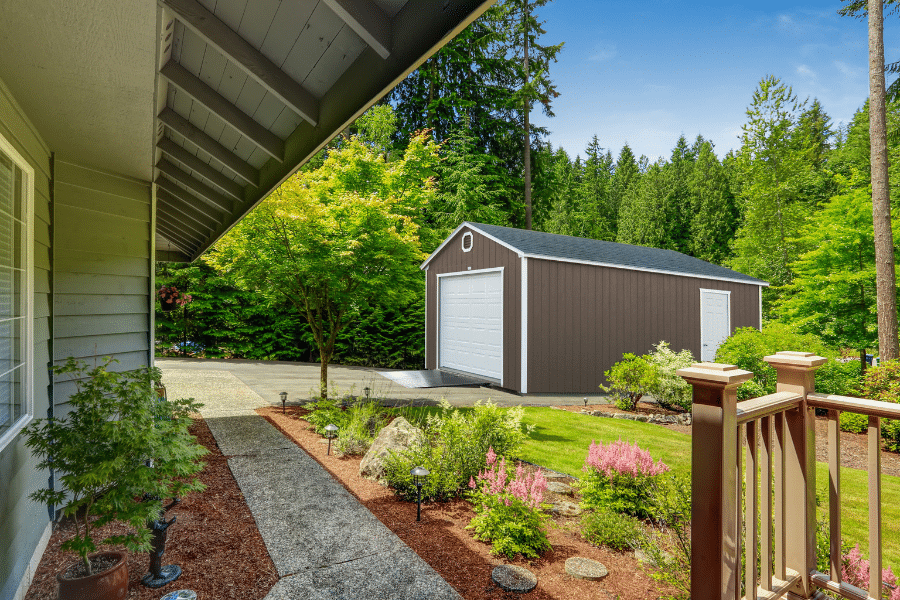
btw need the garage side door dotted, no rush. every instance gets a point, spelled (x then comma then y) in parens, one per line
(470, 338)
(715, 322)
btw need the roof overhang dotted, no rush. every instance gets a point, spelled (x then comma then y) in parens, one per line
(216, 102)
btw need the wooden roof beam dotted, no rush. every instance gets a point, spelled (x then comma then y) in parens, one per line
(202, 191)
(175, 238)
(367, 21)
(185, 225)
(199, 138)
(191, 85)
(181, 206)
(214, 214)
(190, 161)
(204, 23)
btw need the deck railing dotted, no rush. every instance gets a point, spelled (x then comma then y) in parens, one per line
(776, 434)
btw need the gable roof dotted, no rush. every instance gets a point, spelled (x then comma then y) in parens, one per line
(551, 246)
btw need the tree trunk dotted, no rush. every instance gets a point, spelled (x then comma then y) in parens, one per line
(862, 362)
(885, 277)
(323, 376)
(527, 151)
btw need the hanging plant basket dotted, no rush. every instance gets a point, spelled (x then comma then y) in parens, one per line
(168, 306)
(170, 298)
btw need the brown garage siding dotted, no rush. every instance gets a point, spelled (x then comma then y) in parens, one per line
(485, 254)
(582, 318)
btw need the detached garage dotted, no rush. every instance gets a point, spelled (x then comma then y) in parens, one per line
(537, 312)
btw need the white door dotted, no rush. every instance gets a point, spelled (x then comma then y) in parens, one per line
(470, 337)
(715, 322)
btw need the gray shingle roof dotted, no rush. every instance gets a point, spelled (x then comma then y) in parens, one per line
(553, 246)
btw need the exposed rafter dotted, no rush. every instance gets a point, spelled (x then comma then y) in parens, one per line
(186, 225)
(367, 21)
(199, 138)
(201, 21)
(202, 191)
(178, 205)
(187, 82)
(178, 153)
(176, 238)
(215, 214)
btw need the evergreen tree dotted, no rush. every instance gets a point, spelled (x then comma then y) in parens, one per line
(625, 174)
(715, 215)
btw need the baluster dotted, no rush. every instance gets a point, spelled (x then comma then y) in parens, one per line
(739, 494)
(765, 465)
(780, 571)
(875, 507)
(834, 492)
(752, 501)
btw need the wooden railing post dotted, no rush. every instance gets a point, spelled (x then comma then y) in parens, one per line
(796, 374)
(715, 563)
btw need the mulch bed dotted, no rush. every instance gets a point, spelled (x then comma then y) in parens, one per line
(214, 540)
(443, 542)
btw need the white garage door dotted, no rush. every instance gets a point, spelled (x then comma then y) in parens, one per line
(470, 337)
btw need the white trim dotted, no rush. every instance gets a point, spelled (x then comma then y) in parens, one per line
(27, 293)
(524, 343)
(727, 293)
(473, 228)
(31, 569)
(426, 318)
(643, 270)
(471, 241)
(502, 315)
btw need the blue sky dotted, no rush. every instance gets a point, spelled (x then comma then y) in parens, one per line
(646, 72)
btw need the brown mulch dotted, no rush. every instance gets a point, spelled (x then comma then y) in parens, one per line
(443, 542)
(854, 446)
(214, 540)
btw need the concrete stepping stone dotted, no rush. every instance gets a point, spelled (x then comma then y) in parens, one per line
(557, 487)
(585, 568)
(513, 578)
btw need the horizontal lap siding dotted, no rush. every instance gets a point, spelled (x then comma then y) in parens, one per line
(485, 254)
(22, 522)
(103, 268)
(582, 319)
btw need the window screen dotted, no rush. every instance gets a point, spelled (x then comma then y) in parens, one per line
(13, 191)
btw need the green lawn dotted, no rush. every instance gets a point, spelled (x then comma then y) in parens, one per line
(561, 439)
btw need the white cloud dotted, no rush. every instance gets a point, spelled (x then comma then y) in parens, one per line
(806, 71)
(848, 70)
(602, 53)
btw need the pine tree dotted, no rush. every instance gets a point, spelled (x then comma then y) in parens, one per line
(715, 215)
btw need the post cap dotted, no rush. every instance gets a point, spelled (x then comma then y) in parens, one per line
(804, 360)
(706, 372)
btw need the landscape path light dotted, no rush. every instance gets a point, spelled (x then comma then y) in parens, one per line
(419, 474)
(330, 429)
(283, 401)
(367, 390)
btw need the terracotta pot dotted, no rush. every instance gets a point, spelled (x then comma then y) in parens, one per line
(111, 584)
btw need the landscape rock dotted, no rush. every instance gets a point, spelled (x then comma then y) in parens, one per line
(396, 437)
(585, 568)
(566, 509)
(558, 487)
(513, 578)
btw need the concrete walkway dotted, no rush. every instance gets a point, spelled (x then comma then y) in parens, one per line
(301, 381)
(324, 543)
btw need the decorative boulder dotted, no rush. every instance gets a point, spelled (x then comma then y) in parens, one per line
(397, 436)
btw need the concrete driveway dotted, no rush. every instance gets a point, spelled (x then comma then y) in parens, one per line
(266, 379)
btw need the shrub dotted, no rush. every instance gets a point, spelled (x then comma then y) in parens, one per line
(841, 378)
(854, 423)
(883, 383)
(670, 390)
(750, 389)
(614, 530)
(364, 421)
(668, 549)
(855, 571)
(508, 513)
(619, 477)
(630, 379)
(325, 412)
(454, 449)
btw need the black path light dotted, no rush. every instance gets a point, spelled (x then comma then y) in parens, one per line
(330, 429)
(419, 474)
(283, 400)
(367, 390)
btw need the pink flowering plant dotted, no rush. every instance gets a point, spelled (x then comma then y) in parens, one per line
(619, 477)
(855, 571)
(169, 296)
(508, 511)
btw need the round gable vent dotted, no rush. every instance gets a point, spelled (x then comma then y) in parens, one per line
(467, 241)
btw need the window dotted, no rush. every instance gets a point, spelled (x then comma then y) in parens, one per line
(16, 193)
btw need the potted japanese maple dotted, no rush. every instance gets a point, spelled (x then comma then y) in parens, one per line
(118, 453)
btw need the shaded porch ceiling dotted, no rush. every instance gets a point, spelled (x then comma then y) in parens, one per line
(250, 90)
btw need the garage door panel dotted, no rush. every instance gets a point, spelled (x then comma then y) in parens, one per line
(471, 324)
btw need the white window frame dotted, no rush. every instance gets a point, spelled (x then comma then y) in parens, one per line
(27, 294)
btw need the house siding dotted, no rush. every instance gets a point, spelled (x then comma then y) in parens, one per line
(24, 523)
(583, 318)
(103, 270)
(485, 254)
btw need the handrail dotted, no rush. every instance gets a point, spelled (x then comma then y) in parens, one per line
(863, 406)
(842, 589)
(767, 405)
